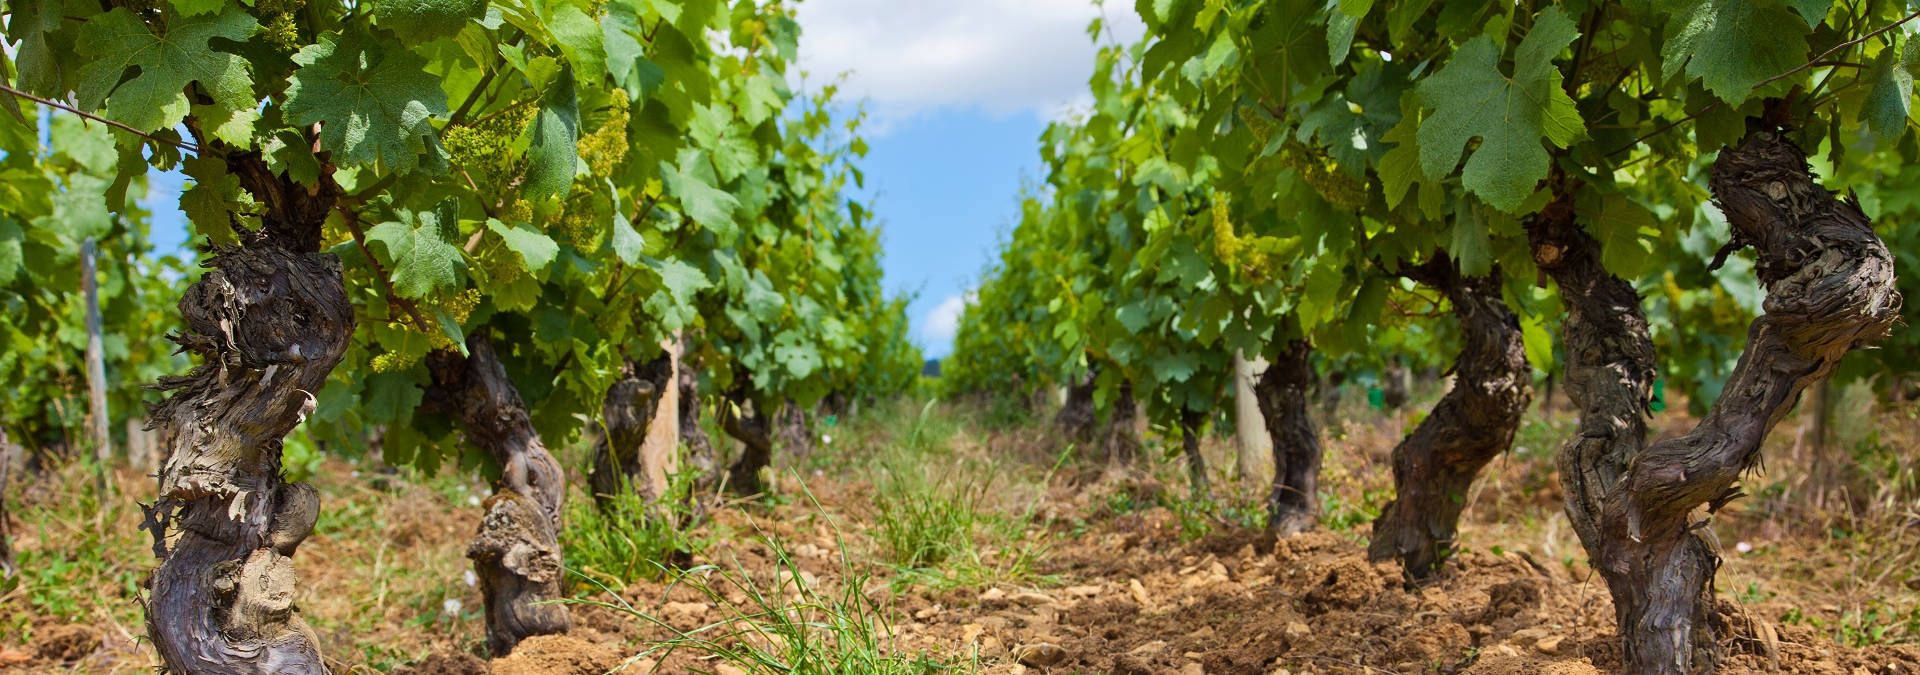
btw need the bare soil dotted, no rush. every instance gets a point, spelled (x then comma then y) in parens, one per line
(1122, 585)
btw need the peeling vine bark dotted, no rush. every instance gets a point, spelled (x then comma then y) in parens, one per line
(620, 460)
(516, 552)
(1293, 503)
(269, 319)
(1474, 422)
(745, 422)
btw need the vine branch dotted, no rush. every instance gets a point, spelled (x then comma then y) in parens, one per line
(183, 145)
(1822, 58)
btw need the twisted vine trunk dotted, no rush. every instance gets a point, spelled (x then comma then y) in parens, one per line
(1074, 422)
(623, 459)
(269, 319)
(7, 452)
(1474, 422)
(516, 552)
(795, 430)
(1190, 421)
(745, 422)
(1330, 391)
(1121, 442)
(700, 453)
(1830, 288)
(1293, 503)
(1395, 383)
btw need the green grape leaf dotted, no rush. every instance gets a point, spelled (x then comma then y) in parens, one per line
(1814, 11)
(681, 281)
(626, 242)
(791, 350)
(762, 300)
(690, 180)
(1732, 45)
(197, 7)
(391, 397)
(156, 98)
(1470, 97)
(579, 38)
(10, 103)
(1890, 100)
(518, 295)
(627, 63)
(1134, 316)
(212, 199)
(38, 26)
(10, 252)
(764, 96)
(375, 103)
(1537, 341)
(92, 150)
(553, 158)
(427, 19)
(1343, 21)
(1618, 226)
(288, 153)
(1470, 246)
(420, 251)
(534, 247)
(1178, 367)
(450, 327)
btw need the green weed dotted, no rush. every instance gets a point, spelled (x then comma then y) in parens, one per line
(786, 624)
(629, 539)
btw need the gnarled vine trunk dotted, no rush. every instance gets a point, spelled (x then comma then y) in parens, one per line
(1330, 390)
(1609, 366)
(701, 458)
(1293, 503)
(745, 422)
(1074, 421)
(1830, 287)
(1474, 422)
(1395, 384)
(1190, 421)
(1121, 442)
(269, 319)
(794, 430)
(7, 452)
(622, 457)
(516, 552)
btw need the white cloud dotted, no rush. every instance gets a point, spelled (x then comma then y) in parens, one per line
(1001, 56)
(943, 322)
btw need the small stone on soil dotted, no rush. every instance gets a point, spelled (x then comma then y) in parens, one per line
(1039, 654)
(1032, 598)
(1139, 593)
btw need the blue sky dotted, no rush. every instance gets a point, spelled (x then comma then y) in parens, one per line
(944, 186)
(958, 92)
